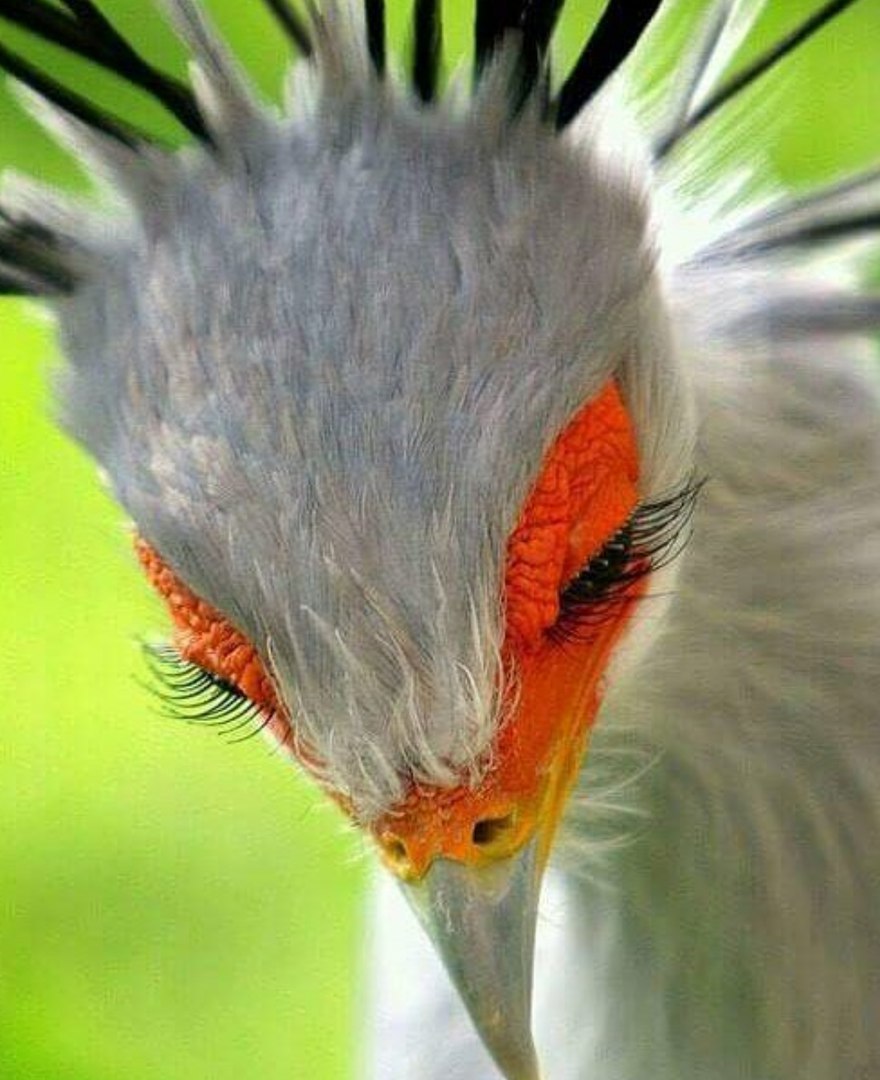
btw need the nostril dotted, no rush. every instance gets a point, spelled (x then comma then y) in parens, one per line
(395, 851)
(489, 830)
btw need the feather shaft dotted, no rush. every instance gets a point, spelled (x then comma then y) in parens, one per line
(754, 71)
(90, 35)
(619, 29)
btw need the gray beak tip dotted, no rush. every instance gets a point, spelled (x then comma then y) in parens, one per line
(482, 923)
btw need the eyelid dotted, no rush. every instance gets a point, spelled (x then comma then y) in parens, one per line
(192, 693)
(204, 636)
(654, 535)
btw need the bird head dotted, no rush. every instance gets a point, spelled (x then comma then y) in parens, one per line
(398, 492)
(390, 392)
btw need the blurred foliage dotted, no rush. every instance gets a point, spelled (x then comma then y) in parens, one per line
(171, 906)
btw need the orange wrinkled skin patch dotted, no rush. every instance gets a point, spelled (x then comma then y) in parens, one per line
(585, 491)
(203, 636)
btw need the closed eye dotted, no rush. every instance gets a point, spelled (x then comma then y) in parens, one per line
(652, 537)
(191, 693)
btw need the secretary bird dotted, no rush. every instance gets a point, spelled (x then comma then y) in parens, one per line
(460, 430)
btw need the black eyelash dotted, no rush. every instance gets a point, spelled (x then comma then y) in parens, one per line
(654, 535)
(195, 695)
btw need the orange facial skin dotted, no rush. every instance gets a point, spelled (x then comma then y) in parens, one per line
(585, 492)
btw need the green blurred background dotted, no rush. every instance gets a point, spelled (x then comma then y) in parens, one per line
(172, 906)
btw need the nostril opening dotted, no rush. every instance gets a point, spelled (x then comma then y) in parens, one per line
(395, 849)
(489, 830)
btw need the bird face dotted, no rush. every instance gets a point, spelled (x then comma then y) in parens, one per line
(573, 572)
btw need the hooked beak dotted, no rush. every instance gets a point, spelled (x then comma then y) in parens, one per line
(481, 920)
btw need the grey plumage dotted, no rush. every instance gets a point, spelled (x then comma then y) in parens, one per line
(321, 358)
